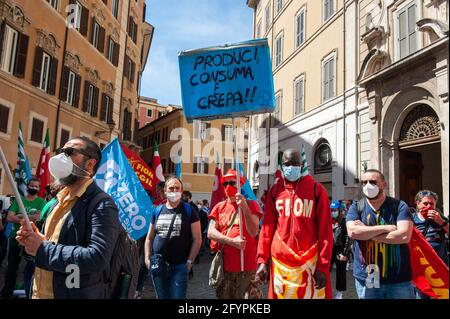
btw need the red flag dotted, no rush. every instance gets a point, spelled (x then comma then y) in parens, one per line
(142, 170)
(158, 175)
(430, 273)
(42, 171)
(218, 192)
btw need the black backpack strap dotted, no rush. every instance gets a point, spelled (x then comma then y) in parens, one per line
(360, 204)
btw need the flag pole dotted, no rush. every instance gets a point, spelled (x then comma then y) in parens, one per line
(14, 187)
(238, 184)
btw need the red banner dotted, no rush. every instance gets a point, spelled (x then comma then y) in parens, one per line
(142, 170)
(430, 273)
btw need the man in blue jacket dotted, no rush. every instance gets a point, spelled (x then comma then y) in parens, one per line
(74, 253)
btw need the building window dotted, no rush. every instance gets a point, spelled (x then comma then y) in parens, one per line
(81, 18)
(4, 119)
(37, 130)
(407, 35)
(277, 111)
(300, 28)
(45, 72)
(106, 110)
(165, 134)
(201, 165)
(258, 30)
(98, 36)
(160, 114)
(279, 49)
(227, 164)
(53, 3)
(149, 112)
(127, 117)
(70, 87)
(328, 76)
(279, 5)
(267, 17)
(132, 29)
(110, 50)
(227, 133)
(129, 69)
(328, 9)
(64, 137)
(10, 37)
(90, 102)
(115, 8)
(322, 158)
(201, 130)
(299, 101)
(113, 52)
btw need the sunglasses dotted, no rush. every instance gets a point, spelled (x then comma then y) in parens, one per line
(371, 182)
(70, 150)
(231, 183)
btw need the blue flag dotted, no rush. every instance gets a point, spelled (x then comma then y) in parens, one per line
(117, 178)
(246, 189)
(178, 166)
(27, 168)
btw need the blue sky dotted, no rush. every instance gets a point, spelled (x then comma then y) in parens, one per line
(188, 24)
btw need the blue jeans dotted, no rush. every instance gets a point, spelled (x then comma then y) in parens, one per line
(404, 290)
(360, 286)
(173, 283)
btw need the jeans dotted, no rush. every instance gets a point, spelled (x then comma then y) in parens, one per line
(404, 290)
(14, 260)
(173, 283)
(360, 286)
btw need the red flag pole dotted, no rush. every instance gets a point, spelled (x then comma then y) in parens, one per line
(238, 184)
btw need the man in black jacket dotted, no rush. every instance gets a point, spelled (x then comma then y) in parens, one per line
(74, 253)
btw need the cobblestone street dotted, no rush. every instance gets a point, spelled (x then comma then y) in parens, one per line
(198, 286)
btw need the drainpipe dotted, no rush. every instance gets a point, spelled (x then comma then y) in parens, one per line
(123, 77)
(58, 109)
(358, 136)
(344, 164)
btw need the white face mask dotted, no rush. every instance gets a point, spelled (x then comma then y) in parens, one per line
(60, 166)
(371, 191)
(173, 196)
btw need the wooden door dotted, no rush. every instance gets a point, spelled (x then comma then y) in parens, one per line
(411, 168)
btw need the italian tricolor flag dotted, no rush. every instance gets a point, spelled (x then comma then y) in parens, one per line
(42, 171)
(157, 168)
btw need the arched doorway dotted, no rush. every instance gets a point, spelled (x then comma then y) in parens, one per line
(420, 153)
(322, 165)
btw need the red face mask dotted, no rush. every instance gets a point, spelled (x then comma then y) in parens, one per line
(424, 211)
(230, 190)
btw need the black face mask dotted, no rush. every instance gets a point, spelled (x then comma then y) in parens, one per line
(32, 191)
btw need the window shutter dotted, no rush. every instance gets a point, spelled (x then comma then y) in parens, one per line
(64, 83)
(103, 108)
(135, 32)
(76, 91)
(116, 54)
(125, 66)
(95, 103)
(206, 167)
(105, 2)
(110, 110)
(208, 131)
(223, 133)
(4, 118)
(21, 56)
(129, 27)
(37, 66)
(84, 21)
(101, 40)
(195, 166)
(86, 96)
(2, 32)
(133, 67)
(91, 38)
(53, 76)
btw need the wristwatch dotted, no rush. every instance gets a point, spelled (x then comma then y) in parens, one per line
(189, 262)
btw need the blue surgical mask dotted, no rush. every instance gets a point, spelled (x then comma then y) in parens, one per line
(292, 173)
(334, 214)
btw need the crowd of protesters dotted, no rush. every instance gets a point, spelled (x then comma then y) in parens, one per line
(291, 240)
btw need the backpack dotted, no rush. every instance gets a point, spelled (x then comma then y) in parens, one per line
(122, 274)
(361, 203)
(187, 208)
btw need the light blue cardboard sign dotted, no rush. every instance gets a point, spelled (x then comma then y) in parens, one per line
(227, 81)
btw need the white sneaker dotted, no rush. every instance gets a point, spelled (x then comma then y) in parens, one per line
(338, 295)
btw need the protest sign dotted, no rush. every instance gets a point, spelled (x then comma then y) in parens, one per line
(227, 81)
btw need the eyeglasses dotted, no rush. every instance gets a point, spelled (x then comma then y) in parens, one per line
(70, 150)
(371, 182)
(231, 183)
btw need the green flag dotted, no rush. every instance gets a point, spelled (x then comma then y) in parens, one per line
(21, 171)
